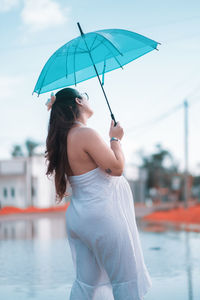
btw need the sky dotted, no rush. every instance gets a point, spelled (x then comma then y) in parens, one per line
(146, 97)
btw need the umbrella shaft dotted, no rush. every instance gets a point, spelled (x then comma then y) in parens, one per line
(112, 116)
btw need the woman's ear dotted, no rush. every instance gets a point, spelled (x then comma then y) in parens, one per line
(78, 100)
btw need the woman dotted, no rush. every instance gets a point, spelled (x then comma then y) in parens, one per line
(100, 219)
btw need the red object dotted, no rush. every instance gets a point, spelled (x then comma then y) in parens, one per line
(177, 215)
(32, 209)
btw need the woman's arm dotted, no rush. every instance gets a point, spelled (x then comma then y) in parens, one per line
(111, 159)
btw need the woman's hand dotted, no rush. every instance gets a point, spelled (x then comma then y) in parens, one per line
(116, 131)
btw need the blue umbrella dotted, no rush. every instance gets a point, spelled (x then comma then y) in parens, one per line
(92, 54)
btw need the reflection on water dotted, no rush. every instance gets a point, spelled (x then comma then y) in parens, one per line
(42, 226)
(35, 260)
(189, 266)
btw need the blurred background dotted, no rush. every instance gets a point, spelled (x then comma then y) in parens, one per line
(156, 98)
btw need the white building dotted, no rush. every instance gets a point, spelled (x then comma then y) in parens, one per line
(18, 174)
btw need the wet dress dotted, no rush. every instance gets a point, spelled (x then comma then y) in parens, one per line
(104, 240)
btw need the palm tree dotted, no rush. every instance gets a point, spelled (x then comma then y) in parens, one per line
(30, 146)
(17, 151)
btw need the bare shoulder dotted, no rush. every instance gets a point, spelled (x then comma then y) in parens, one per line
(89, 132)
(91, 136)
(85, 136)
(81, 131)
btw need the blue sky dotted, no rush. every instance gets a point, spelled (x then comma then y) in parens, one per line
(147, 88)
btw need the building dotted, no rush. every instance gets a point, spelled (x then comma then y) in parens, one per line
(23, 182)
(136, 177)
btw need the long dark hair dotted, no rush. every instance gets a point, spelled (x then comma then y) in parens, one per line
(64, 111)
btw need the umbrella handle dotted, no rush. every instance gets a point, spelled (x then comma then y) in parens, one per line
(112, 116)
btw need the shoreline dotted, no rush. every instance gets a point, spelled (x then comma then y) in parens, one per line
(157, 218)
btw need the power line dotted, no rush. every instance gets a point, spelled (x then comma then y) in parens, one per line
(160, 118)
(157, 119)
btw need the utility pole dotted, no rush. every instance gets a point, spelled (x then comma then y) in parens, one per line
(186, 188)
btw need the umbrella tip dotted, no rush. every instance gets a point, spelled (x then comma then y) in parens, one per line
(157, 46)
(80, 29)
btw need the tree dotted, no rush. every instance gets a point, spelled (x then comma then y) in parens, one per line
(159, 175)
(30, 146)
(17, 151)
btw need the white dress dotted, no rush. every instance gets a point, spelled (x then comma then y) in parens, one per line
(104, 240)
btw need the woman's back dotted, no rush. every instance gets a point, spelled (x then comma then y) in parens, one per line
(79, 160)
(86, 150)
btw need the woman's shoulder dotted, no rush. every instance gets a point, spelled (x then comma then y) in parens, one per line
(83, 133)
(88, 131)
(85, 136)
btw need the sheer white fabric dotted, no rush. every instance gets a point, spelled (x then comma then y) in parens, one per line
(104, 240)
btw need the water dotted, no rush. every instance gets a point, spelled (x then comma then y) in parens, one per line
(36, 263)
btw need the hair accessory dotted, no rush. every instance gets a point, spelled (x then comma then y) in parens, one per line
(50, 101)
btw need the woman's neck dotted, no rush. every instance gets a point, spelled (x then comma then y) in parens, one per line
(79, 122)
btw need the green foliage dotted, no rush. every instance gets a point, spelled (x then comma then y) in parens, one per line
(159, 175)
(17, 151)
(30, 147)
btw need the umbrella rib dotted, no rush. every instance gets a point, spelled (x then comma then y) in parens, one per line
(82, 50)
(46, 74)
(100, 42)
(66, 75)
(93, 43)
(112, 55)
(75, 61)
(109, 43)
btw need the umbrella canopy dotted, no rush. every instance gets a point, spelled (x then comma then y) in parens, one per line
(109, 48)
(90, 55)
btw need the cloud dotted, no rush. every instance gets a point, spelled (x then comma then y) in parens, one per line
(43, 14)
(7, 5)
